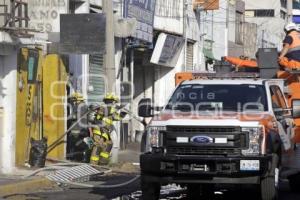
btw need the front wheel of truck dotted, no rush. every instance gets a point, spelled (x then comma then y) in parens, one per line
(150, 190)
(294, 182)
(268, 187)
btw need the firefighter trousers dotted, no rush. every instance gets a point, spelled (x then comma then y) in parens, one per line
(101, 149)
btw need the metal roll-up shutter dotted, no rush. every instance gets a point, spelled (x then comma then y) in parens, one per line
(189, 56)
(96, 78)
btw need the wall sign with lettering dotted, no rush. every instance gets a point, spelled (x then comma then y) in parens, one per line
(44, 14)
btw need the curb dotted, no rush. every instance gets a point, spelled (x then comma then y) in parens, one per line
(26, 186)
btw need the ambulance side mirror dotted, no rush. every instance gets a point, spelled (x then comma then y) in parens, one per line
(145, 108)
(296, 108)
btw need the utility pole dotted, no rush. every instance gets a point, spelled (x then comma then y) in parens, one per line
(185, 16)
(226, 45)
(109, 64)
(290, 10)
(109, 57)
(263, 39)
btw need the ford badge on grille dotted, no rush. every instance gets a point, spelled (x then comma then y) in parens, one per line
(200, 139)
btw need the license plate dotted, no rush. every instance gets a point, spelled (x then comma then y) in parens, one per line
(249, 165)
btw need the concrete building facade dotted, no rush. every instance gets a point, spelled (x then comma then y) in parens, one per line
(12, 38)
(226, 33)
(155, 80)
(8, 80)
(270, 17)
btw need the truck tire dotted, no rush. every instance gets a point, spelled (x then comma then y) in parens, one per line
(150, 190)
(268, 188)
(294, 182)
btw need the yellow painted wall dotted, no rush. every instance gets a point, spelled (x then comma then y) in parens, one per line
(51, 69)
(26, 124)
(54, 91)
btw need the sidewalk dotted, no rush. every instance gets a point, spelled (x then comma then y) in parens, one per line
(131, 154)
(128, 162)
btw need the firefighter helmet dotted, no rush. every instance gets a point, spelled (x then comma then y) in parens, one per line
(290, 26)
(77, 96)
(110, 97)
(94, 106)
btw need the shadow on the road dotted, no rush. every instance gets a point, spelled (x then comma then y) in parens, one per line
(111, 193)
(129, 192)
(21, 197)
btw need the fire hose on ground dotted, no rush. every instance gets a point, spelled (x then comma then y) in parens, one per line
(67, 164)
(102, 186)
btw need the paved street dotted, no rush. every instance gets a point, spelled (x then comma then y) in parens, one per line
(131, 192)
(284, 194)
(125, 172)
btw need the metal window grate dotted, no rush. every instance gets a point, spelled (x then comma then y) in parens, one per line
(80, 173)
(96, 78)
(189, 56)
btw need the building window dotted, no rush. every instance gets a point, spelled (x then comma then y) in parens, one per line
(239, 22)
(283, 3)
(260, 13)
(296, 4)
(282, 14)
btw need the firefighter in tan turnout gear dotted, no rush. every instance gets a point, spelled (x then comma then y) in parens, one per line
(102, 126)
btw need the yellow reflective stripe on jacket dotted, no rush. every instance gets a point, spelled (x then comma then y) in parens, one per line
(105, 135)
(104, 155)
(117, 117)
(96, 131)
(108, 121)
(95, 158)
(113, 110)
